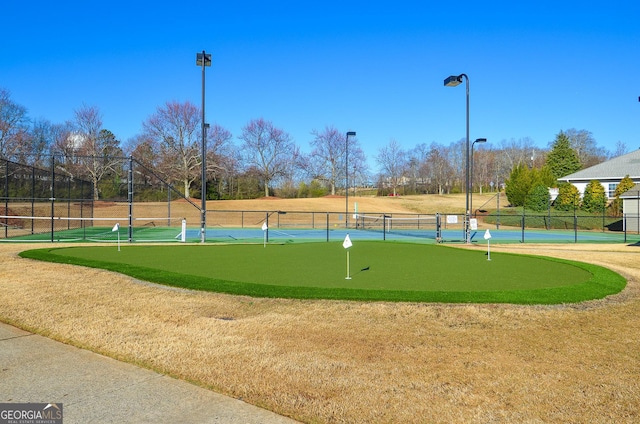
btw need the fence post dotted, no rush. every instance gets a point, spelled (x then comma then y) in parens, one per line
(33, 198)
(523, 220)
(604, 208)
(168, 206)
(68, 203)
(6, 200)
(384, 226)
(498, 216)
(327, 226)
(53, 192)
(130, 198)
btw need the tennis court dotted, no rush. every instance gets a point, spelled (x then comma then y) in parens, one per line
(258, 227)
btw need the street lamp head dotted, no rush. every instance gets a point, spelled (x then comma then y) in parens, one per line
(351, 133)
(481, 140)
(201, 56)
(453, 81)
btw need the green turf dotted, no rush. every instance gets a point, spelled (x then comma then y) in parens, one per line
(379, 271)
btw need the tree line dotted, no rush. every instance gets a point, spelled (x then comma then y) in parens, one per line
(528, 187)
(264, 160)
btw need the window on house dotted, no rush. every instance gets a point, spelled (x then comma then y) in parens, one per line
(612, 190)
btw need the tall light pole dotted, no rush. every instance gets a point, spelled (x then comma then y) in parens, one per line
(478, 140)
(203, 59)
(346, 178)
(453, 81)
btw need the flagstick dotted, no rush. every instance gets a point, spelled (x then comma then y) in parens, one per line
(487, 237)
(265, 228)
(118, 239)
(348, 273)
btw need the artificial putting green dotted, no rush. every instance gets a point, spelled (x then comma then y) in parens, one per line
(378, 271)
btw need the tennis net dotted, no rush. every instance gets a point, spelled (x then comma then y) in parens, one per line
(418, 225)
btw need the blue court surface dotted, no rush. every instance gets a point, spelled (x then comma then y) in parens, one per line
(285, 235)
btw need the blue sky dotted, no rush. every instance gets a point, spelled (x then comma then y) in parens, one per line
(535, 67)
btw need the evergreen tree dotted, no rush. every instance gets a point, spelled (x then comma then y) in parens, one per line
(562, 160)
(538, 198)
(568, 197)
(594, 199)
(625, 185)
(523, 180)
(518, 185)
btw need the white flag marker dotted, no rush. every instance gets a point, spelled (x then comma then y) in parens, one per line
(116, 228)
(264, 236)
(347, 244)
(487, 237)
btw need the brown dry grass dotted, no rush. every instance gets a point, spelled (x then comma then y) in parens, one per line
(453, 203)
(332, 361)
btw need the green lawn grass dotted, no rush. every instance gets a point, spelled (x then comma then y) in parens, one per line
(379, 270)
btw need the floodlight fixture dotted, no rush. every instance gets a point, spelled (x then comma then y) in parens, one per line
(201, 56)
(453, 81)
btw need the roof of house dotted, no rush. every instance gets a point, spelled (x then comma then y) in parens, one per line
(632, 193)
(616, 168)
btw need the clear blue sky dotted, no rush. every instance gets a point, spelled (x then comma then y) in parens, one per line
(535, 67)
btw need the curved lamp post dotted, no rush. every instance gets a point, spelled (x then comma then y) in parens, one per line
(346, 178)
(203, 59)
(478, 140)
(454, 81)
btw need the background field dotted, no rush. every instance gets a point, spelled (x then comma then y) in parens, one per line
(342, 361)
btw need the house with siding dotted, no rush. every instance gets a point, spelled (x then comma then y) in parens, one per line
(609, 173)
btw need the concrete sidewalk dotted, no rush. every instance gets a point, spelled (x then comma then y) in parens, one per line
(97, 389)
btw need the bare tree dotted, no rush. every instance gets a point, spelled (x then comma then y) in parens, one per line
(175, 130)
(218, 151)
(416, 158)
(327, 159)
(514, 152)
(269, 150)
(583, 142)
(392, 161)
(358, 168)
(483, 163)
(145, 151)
(98, 151)
(42, 138)
(326, 162)
(619, 150)
(87, 149)
(438, 169)
(13, 126)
